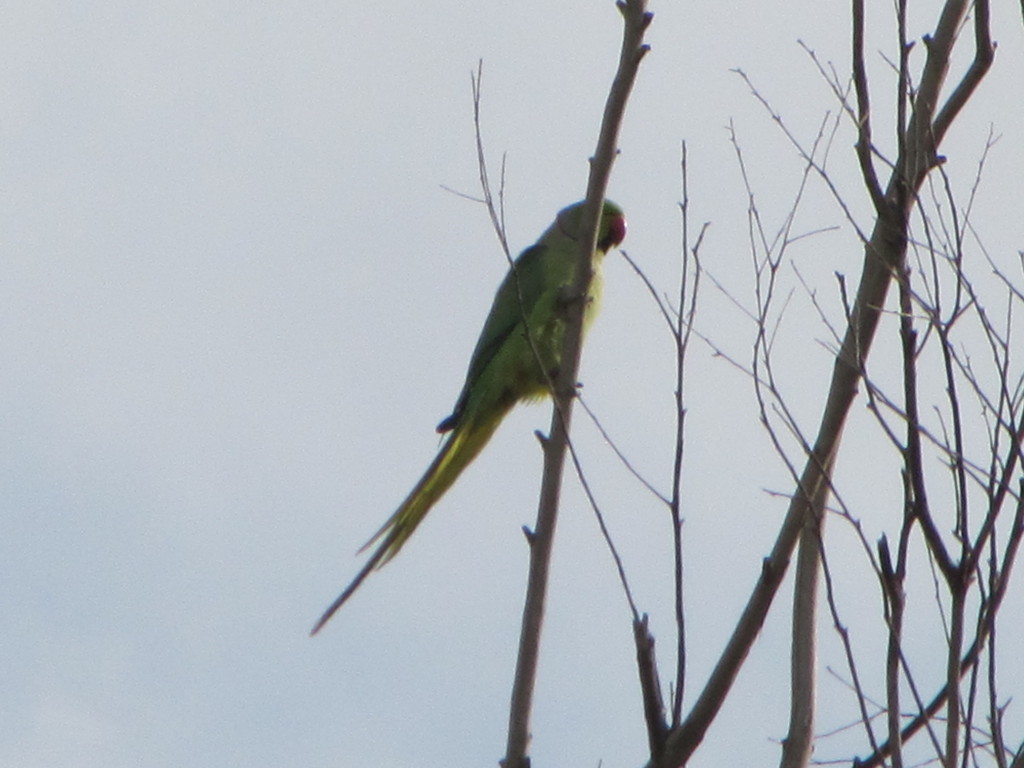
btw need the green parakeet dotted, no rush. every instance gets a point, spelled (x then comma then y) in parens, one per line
(503, 369)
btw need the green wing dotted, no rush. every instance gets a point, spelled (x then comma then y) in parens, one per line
(516, 298)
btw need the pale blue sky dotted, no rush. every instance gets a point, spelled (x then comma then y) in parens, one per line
(235, 301)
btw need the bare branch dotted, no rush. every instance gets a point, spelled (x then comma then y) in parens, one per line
(860, 84)
(636, 20)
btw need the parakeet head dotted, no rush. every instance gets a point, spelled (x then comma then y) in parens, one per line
(610, 231)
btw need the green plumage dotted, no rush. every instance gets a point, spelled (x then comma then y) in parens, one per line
(504, 367)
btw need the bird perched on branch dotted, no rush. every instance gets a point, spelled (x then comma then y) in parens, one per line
(516, 358)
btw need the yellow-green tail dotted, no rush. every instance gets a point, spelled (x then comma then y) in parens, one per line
(462, 447)
(465, 442)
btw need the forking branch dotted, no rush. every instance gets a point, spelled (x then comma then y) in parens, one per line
(884, 253)
(636, 19)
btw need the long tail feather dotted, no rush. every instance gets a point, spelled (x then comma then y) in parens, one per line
(462, 447)
(344, 596)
